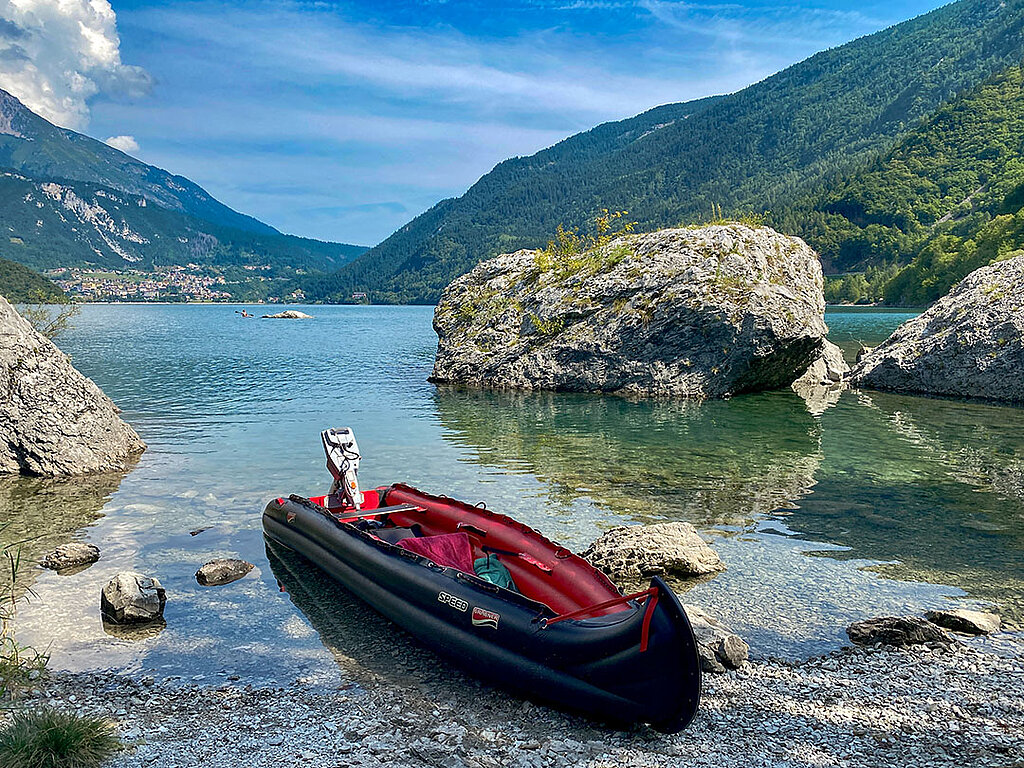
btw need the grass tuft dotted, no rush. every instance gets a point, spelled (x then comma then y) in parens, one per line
(46, 738)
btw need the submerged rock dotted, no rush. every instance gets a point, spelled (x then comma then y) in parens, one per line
(53, 420)
(633, 552)
(898, 631)
(965, 621)
(719, 647)
(219, 572)
(71, 555)
(132, 597)
(289, 314)
(701, 312)
(969, 344)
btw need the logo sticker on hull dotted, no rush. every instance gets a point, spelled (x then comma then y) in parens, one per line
(457, 603)
(482, 618)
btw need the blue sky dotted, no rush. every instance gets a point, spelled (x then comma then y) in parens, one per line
(343, 120)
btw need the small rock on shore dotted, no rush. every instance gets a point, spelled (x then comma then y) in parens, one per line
(898, 631)
(720, 648)
(965, 621)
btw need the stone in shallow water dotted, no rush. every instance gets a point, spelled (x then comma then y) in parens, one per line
(219, 572)
(965, 621)
(898, 631)
(132, 597)
(71, 555)
(718, 646)
(633, 552)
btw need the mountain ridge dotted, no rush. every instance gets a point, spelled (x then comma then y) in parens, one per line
(758, 148)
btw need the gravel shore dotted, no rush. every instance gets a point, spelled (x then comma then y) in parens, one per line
(871, 707)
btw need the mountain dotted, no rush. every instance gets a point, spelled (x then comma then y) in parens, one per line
(945, 200)
(35, 147)
(20, 284)
(762, 148)
(67, 200)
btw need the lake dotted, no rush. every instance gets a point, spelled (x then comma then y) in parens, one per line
(880, 504)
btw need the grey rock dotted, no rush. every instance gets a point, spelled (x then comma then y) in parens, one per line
(965, 621)
(863, 352)
(71, 555)
(289, 314)
(823, 382)
(218, 572)
(633, 552)
(701, 312)
(898, 631)
(53, 420)
(132, 597)
(719, 647)
(968, 344)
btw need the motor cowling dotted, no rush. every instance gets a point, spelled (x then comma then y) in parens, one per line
(343, 463)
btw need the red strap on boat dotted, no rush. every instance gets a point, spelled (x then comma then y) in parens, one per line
(652, 593)
(645, 631)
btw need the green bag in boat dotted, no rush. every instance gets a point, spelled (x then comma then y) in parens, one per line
(491, 569)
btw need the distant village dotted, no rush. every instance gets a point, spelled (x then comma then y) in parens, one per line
(191, 282)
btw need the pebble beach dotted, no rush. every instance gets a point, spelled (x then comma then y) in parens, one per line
(853, 708)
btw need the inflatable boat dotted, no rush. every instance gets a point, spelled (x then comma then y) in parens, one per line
(498, 598)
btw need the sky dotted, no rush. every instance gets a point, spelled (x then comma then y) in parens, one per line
(344, 120)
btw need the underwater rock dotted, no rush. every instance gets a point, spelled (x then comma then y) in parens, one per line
(71, 555)
(699, 312)
(216, 573)
(131, 598)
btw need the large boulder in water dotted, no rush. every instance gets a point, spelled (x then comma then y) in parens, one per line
(53, 420)
(970, 343)
(698, 312)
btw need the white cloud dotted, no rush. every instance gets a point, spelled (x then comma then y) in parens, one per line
(55, 56)
(124, 143)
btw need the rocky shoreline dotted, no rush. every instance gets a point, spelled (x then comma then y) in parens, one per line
(855, 707)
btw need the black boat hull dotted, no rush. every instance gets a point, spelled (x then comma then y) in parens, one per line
(594, 666)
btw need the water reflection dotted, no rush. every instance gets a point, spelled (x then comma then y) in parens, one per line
(935, 485)
(38, 514)
(717, 463)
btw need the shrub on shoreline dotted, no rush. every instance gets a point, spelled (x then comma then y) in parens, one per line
(46, 738)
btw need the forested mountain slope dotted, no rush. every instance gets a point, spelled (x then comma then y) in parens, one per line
(20, 284)
(761, 148)
(947, 198)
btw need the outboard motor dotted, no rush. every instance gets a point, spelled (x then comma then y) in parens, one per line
(343, 464)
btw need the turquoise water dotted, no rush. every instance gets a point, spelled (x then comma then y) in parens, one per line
(880, 504)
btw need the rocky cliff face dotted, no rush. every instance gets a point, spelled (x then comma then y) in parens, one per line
(969, 344)
(699, 312)
(53, 420)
